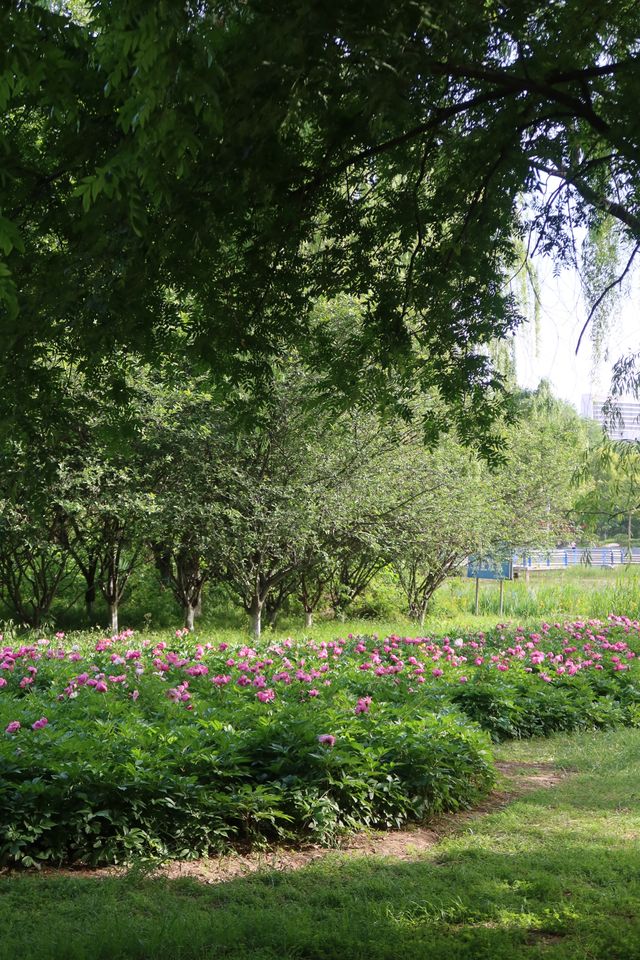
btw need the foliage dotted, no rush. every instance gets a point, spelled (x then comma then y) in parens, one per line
(610, 501)
(122, 747)
(536, 489)
(379, 155)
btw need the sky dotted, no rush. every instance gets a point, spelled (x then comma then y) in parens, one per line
(562, 316)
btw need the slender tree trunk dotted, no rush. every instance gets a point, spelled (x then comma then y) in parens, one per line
(192, 607)
(190, 613)
(89, 600)
(255, 612)
(113, 613)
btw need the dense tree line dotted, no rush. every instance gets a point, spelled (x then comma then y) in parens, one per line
(278, 501)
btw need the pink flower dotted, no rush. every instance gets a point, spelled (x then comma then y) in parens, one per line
(463, 680)
(314, 693)
(135, 694)
(39, 724)
(363, 705)
(266, 695)
(437, 672)
(327, 739)
(198, 670)
(100, 687)
(3, 682)
(13, 727)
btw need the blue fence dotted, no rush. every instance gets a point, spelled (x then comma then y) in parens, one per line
(573, 556)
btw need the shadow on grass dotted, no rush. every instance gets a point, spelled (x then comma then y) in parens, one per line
(555, 875)
(534, 880)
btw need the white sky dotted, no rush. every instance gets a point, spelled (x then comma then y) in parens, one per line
(562, 316)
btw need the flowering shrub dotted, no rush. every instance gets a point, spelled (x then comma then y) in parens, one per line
(137, 746)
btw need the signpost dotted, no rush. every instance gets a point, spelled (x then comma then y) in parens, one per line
(490, 568)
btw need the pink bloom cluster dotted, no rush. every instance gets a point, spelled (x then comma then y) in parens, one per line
(327, 740)
(192, 671)
(180, 694)
(363, 705)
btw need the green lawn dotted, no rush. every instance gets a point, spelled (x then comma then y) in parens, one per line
(555, 874)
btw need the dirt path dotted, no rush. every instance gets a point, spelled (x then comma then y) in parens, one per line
(516, 779)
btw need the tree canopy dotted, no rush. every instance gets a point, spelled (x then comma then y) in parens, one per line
(194, 176)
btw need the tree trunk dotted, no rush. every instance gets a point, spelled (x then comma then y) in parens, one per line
(414, 609)
(255, 612)
(190, 613)
(113, 613)
(308, 618)
(89, 600)
(162, 560)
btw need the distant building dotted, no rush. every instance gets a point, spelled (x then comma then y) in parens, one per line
(625, 426)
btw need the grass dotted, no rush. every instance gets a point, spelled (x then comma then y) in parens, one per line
(574, 592)
(555, 874)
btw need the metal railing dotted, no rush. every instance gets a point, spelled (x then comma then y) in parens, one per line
(574, 556)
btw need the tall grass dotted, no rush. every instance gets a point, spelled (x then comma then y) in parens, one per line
(545, 596)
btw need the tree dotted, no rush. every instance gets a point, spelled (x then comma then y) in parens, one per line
(534, 489)
(182, 423)
(33, 562)
(275, 487)
(96, 483)
(451, 519)
(34, 549)
(184, 167)
(468, 508)
(104, 498)
(610, 501)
